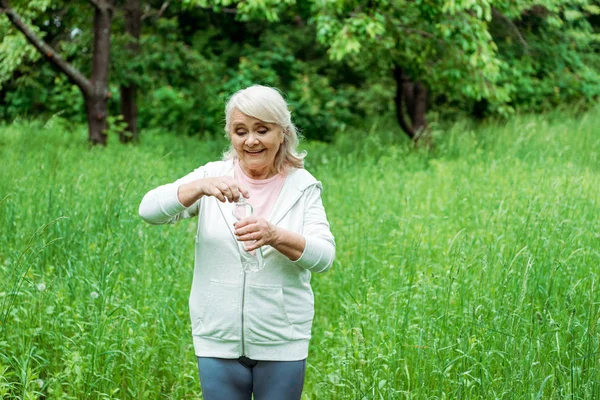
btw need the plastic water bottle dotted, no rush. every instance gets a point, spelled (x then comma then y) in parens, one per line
(252, 261)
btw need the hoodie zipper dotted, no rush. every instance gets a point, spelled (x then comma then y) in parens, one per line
(242, 313)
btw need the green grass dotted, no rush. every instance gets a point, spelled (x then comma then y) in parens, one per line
(467, 272)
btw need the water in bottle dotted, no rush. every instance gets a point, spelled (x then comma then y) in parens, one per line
(252, 261)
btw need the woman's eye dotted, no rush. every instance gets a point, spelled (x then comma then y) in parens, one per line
(263, 131)
(240, 133)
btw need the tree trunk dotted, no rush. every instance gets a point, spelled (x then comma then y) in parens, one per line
(133, 28)
(96, 102)
(418, 117)
(411, 100)
(94, 90)
(96, 110)
(399, 101)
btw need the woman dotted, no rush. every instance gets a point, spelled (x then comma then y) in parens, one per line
(251, 329)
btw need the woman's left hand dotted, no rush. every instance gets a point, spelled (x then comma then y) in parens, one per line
(256, 231)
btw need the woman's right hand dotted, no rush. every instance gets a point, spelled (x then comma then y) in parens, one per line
(224, 188)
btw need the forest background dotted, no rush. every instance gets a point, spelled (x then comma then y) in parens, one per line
(457, 141)
(339, 62)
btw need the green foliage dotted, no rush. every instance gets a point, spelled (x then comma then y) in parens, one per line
(15, 50)
(191, 63)
(446, 45)
(42, 91)
(556, 61)
(177, 83)
(319, 105)
(116, 127)
(468, 272)
(191, 60)
(465, 51)
(31, 86)
(333, 59)
(246, 10)
(49, 19)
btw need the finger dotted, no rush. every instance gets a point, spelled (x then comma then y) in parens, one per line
(244, 191)
(239, 190)
(245, 239)
(235, 193)
(222, 183)
(245, 227)
(229, 194)
(254, 245)
(246, 221)
(232, 186)
(245, 234)
(251, 227)
(241, 223)
(225, 190)
(217, 193)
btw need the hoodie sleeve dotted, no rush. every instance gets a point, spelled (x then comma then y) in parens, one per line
(319, 251)
(162, 206)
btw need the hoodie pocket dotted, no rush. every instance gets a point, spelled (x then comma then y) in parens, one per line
(221, 316)
(265, 316)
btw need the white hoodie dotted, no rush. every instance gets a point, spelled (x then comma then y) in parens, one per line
(264, 315)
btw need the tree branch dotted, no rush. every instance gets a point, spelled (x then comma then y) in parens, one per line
(162, 9)
(514, 28)
(159, 13)
(424, 34)
(74, 75)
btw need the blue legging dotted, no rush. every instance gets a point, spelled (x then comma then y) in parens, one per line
(238, 379)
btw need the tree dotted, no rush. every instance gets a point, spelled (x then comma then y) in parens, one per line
(550, 52)
(95, 89)
(445, 49)
(442, 47)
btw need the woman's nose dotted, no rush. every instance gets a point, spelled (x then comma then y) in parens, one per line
(251, 140)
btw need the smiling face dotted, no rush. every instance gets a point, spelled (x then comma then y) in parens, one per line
(256, 144)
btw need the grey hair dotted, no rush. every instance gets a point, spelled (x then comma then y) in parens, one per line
(268, 105)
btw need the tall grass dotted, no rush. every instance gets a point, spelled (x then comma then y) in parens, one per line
(470, 271)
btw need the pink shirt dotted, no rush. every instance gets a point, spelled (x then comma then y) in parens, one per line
(263, 192)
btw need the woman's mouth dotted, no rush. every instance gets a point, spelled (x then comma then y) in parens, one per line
(254, 152)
